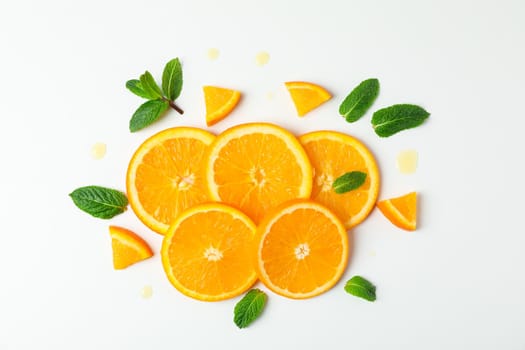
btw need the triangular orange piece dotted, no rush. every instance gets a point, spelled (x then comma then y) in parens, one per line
(219, 103)
(128, 247)
(306, 96)
(401, 211)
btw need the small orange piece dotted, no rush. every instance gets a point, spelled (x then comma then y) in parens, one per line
(301, 249)
(207, 254)
(333, 154)
(306, 96)
(166, 175)
(401, 211)
(256, 166)
(219, 103)
(128, 247)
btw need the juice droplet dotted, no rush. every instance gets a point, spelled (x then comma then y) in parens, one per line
(146, 292)
(213, 54)
(269, 95)
(262, 58)
(98, 150)
(407, 161)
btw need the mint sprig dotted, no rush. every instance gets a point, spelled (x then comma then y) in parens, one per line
(100, 202)
(391, 120)
(349, 181)
(360, 287)
(249, 308)
(357, 103)
(159, 100)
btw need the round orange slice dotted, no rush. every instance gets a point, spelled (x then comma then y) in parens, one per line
(207, 253)
(301, 249)
(257, 166)
(166, 175)
(128, 247)
(401, 211)
(306, 96)
(333, 154)
(220, 102)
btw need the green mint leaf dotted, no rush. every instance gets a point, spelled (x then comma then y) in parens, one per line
(249, 308)
(100, 202)
(147, 113)
(361, 288)
(172, 79)
(348, 182)
(359, 100)
(135, 86)
(150, 86)
(391, 120)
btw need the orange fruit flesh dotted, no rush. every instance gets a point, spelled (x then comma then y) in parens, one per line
(306, 96)
(220, 102)
(166, 176)
(333, 154)
(206, 253)
(401, 211)
(302, 251)
(257, 171)
(128, 248)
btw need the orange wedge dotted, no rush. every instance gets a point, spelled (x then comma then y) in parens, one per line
(256, 166)
(219, 103)
(306, 96)
(166, 175)
(207, 253)
(401, 211)
(301, 248)
(128, 247)
(333, 154)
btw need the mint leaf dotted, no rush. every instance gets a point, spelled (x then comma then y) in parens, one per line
(359, 100)
(172, 79)
(361, 288)
(100, 202)
(147, 113)
(348, 182)
(391, 120)
(249, 308)
(149, 86)
(135, 86)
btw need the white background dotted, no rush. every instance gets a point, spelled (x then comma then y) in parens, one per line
(458, 282)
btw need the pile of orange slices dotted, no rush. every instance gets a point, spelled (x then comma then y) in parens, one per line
(252, 203)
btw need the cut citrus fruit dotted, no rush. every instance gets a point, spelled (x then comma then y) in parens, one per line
(301, 249)
(219, 103)
(166, 175)
(207, 254)
(333, 154)
(306, 96)
(128, 247)
(401, 211)
(257, 166)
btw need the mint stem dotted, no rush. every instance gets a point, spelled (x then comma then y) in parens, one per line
(175, 107)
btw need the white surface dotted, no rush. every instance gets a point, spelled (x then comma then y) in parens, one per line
(458, 282)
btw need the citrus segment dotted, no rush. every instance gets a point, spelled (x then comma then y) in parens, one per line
(333, 154)
(128, 248)
(219, 103)
(306, 96)
(401, 211)
(166, 175)
(207, 254)
(257, 166)
(301, 249)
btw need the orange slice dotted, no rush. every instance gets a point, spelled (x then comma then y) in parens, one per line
(333, 154)
(306, 96)
(401, 211)
(219, 103)
(257, 166)
(207, 253)
(166, 175)
(301, 249)
(128, 247)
